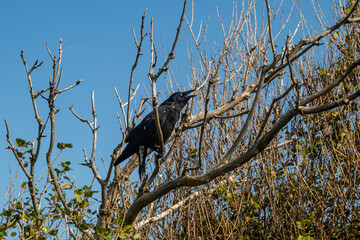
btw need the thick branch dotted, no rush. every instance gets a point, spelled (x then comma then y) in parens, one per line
(331, 85)
(244, 129)
(226, 167)
(296, 52)
(328, 106)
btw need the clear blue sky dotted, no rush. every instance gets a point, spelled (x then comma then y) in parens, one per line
(99, 48)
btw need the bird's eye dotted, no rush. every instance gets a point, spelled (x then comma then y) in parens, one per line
(181, 94)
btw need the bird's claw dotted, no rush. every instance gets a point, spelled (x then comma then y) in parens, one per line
(156, 148)
(144, 178)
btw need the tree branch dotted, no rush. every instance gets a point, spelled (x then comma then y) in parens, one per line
(225, 167)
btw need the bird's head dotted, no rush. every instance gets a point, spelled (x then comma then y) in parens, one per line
(180, 97)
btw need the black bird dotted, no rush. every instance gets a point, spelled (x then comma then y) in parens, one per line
(144, 135)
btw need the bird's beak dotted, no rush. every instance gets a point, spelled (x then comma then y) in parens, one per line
(188, 92)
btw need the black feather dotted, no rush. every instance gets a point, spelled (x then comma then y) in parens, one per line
(144, 136)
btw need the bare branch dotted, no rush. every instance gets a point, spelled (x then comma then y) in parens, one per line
(138, 54)
(328, 106)
(30, 176)
(70, 87)
(244, 129)
(253, 151)
(331, 85)
(217, 171)
(353, 20)
(31, 89)
(172, 52)
(270, 31)
(93, 126)
(270, 110)
(152, 80)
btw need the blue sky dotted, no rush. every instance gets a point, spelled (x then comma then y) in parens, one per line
(99, 48)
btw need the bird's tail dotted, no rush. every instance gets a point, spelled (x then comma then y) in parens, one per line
(142, 169)
(119, 160)
(128, 151)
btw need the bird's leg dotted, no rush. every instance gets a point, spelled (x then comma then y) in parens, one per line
(158, 153)
(142, 167)
(145, 185)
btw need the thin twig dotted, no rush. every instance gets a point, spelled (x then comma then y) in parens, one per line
(70, 87)
(152, 80)
(93, 126)
(172, 52)
(270, 31)
(262, 127)
(138, 54)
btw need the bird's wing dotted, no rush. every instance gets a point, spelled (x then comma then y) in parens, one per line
(163, 112)
(147, 128)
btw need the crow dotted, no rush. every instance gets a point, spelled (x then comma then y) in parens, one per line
(144, 136)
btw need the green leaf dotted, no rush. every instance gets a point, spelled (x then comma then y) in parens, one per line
(299, 237)
(62, 146)
(83, 227)
(53, 232)
(322, 72)
(19, 154)
(65, 185)
(78, 197)
(67, 211)
(68, 145)
(26, 216)
(64, 164)
(7, 213)
(137, 236)
(21, 142)
(222, 189)
(90, 193)
(86, 203)
(18, 204)
(100, 230)
(127, 227)
(299, 225)
(307, 238)
(335, 113)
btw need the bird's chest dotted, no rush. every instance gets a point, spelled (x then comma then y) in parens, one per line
(169, 124)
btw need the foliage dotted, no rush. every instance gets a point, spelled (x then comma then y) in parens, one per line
(271, 154)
